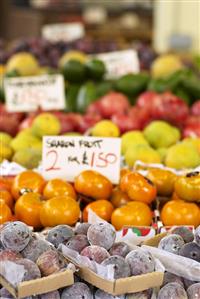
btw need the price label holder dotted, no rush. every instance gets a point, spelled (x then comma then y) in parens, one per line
(24, 94)
(63, 31)
(120, 63)
(67, 156)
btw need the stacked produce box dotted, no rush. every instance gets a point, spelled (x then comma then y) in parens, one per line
(90, 229)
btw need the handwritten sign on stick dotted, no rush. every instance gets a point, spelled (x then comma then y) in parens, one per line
(29, 93)
(66, 156)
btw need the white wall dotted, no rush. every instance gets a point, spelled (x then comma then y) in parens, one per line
(176, 16)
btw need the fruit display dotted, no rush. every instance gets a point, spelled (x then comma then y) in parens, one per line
(39, 203)
(181, 242)
(28, 256)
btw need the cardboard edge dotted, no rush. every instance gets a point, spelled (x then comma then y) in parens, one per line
(40, 285)
(121, 286)
(153, 242)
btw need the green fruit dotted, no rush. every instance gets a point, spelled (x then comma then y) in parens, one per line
(162, 151)
(46, 124)
(141, 152)
(71, 97)
(74, 71)
(103, 87)
(132, 138)
(5, 152)
(132, 84)
(25, 132)
(182, 155)
(95, 69)
(24, 63)
(28, 157)
(161, 134)
(105, 128)
(25, 141)
(5, 138)
(86, 95)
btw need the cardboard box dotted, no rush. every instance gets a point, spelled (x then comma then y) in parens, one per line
(121, 286)
(41, 285)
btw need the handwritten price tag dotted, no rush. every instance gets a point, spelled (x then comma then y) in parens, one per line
(63, 32)
(120, 63)
(65, 157)
(30, 93)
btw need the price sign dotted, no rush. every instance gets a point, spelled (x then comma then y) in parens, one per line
(120, 63)
(65, 157)
(63, 32)
(29, 93)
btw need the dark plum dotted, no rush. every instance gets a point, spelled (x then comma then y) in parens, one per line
(119, 248)
(95, 253)
(184, 232)
(15, 236)
(170, 277)
(140, 262)
(191, 250)
(99, 294)
(31, 269)
(51, 295)
(59, 234)
(171, 243)
(188, 283)
(101, 234)
(78, 243)
(81, 228)
(34, 249)
(78, 290)
(194, 291)
(197, 235)
(121, 267)
(50, 262)
(172, 291)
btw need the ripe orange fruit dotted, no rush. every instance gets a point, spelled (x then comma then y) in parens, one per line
(138, 187)
(27, 209)
(6, 196)
(134, 213)
(58, 187)
(119, 198)
(5, 212)
(27, 180)
(102, 207)
(93, 184)
(179, 212)
(59, 210)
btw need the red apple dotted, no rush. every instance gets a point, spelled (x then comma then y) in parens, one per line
(88, 121)
(113, 103)
(195, 109)
(69, 121)
(26, 123)
(192, 131)
(9, 124)
(146, 99)
(140, 115)
(125, 122)
(94, 108)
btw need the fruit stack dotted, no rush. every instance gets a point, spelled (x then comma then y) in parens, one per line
(181, 257)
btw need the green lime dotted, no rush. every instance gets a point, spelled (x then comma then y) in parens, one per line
(74, 71)
(95, 69)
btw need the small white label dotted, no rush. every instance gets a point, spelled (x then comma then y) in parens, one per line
(65, 157)
(29, 93)
(120, 63)
(63, 32)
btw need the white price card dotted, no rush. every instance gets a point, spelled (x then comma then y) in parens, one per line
(67, 156)
(120, 63)
(29, 93)
(63, 31)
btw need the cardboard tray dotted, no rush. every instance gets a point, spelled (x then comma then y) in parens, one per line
(40, 285)
(121, 286)
(155, 240)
